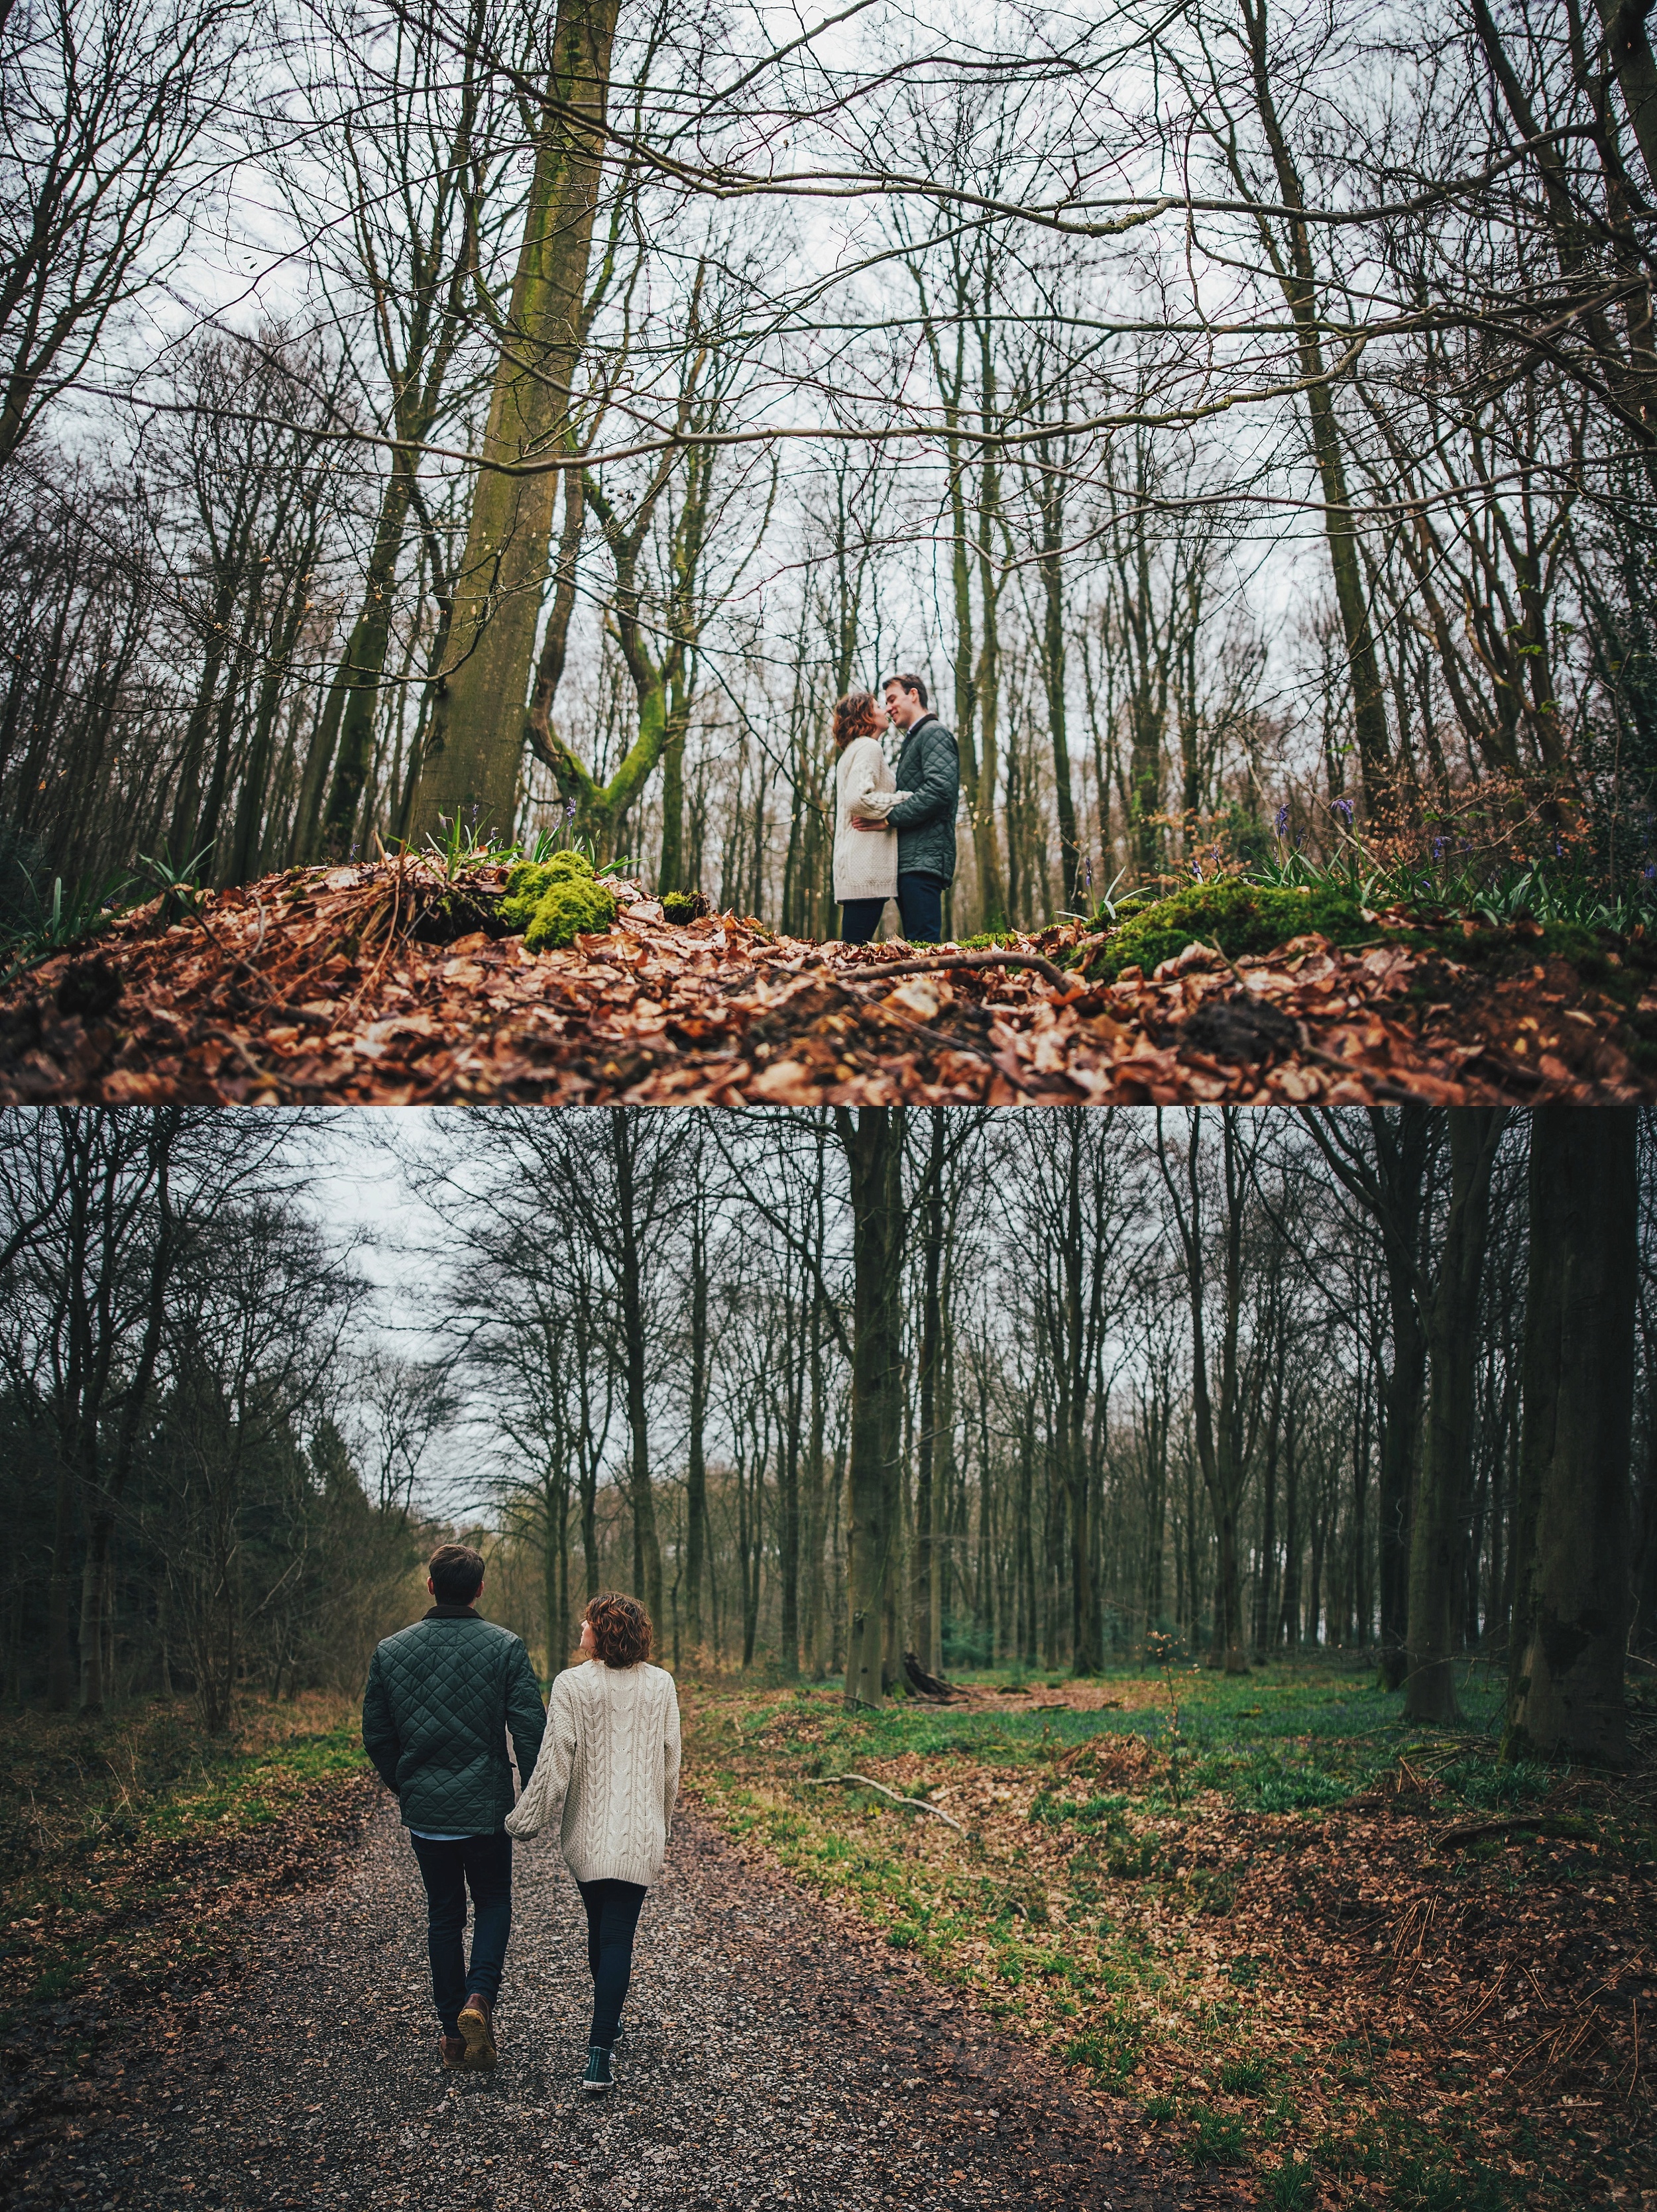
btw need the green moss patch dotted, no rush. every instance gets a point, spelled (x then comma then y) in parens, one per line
(552, 900)
(1238, 917)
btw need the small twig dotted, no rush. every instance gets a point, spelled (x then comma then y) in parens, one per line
(867, 1782)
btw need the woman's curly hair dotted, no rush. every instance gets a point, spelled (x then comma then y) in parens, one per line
(621, 1628)
(855, 717)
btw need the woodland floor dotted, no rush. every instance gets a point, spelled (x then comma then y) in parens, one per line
(771, 2059)
(387, 984)
(1195, 1942)
(1351, 1962)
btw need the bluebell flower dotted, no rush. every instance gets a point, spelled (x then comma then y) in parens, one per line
(1648, 872)
(1282, 820)
(1197, 870)
(1438, 848)
(1344, 808)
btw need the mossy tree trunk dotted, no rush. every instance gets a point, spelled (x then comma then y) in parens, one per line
(1572, 1592)
(1438, 1537)
(474, 750)
(874, 1146)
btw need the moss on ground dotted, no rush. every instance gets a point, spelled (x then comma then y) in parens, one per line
(1238, 917)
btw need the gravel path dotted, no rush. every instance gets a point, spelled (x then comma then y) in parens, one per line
(771, 2059)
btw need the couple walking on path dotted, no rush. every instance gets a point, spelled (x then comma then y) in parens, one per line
(894, 835)
(601, 1763)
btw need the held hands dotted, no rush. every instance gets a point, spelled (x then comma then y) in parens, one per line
(858, 822)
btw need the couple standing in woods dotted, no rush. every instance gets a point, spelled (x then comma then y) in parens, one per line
(894, 835)
(601, 1762)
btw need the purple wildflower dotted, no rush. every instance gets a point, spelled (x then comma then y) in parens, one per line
(1438, 848)
(1282, 818)
(1344, 808)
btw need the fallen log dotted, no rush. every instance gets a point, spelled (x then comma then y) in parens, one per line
(931, 1685)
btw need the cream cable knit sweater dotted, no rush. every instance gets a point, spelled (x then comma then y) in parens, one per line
(608, 1772)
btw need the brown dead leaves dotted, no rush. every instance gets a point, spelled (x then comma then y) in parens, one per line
(384, 985)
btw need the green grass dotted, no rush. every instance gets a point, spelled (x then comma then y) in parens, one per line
(93, 1817)
(1516, 919)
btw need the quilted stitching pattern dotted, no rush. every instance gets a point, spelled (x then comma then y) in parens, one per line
(440, 1697)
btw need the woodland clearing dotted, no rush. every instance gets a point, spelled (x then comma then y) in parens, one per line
(397, 983)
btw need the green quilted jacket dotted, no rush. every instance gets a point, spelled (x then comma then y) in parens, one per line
(929, 770)
(441, 1697)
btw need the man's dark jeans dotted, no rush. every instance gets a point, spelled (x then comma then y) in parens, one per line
(920, 902)
(484, 1864)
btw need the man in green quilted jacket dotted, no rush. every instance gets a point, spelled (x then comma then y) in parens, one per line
(441, 1697)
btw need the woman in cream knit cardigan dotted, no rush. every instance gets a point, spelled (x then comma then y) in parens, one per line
(865, 860)
(608, 1776)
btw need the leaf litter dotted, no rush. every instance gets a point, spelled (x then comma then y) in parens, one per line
(391, 983)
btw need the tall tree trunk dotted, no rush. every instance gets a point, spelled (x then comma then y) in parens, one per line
(646, 1546)
(926, 1513)
(1297, 278)
(873, 1145)
(696, 1470)
(471, 755)
(788, 1532)
(1438, 1538)
(1573, 1593)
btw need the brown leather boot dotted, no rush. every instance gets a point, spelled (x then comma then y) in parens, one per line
(453, 2049)
(479, 2032)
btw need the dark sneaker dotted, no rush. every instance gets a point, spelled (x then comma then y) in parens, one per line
(454, 2049)
(479, 2032)
(598, 2081)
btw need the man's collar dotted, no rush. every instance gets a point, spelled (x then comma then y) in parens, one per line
(452, 1612)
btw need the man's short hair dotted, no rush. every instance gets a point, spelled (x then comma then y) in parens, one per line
(909, 684)
(456, 1572)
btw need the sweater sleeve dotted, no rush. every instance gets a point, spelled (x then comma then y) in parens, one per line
(379, 1737)
(542, 1803)
(672, 1749)
(863, 796)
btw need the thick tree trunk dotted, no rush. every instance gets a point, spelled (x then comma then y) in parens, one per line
(1439, 1536)
(873, 1148)
(473, 754)
(926, 1514)
(1574, 1592)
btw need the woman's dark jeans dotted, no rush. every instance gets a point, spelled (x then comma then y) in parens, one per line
(920, 902)
(859, 919)
(485, 1863)
(612, 1910)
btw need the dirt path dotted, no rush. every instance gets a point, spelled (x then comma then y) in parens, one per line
(769, 2060)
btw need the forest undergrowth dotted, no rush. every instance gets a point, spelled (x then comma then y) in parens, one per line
(134, 1850)
(1369, 1961)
